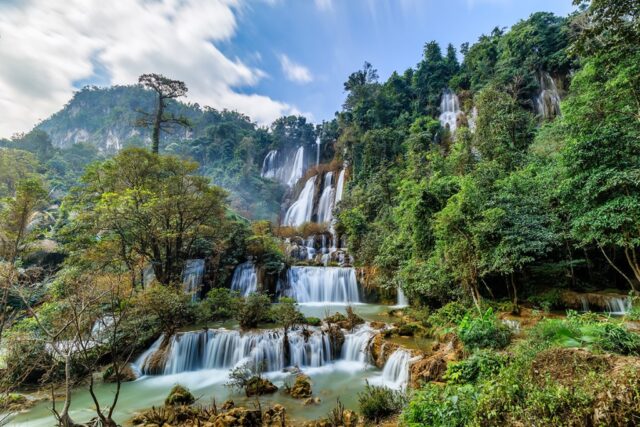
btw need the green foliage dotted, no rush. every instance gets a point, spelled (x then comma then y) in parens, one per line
(377, 403)
(219, 304)
(286, 313)
(166, 307)
(313, 321)
(448, 315)
(484, 331)
(547, 301)
(441, 406)
(254, 309)
(481, 365)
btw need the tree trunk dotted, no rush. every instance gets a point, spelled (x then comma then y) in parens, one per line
(155, 137)
(516, 308)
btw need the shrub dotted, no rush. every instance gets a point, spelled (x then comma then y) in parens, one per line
(448, 315)
(219, 304)
(438, 406)
(481, 365)
(484, 331)
(378, 403)
(254, 309)
(179, 395)
(313, 321)
(547, 301)
(168, 307)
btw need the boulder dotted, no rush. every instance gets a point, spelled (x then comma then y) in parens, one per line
(381, 350)
(336, 339)
(126, 374)
(311, 401)
(179, 395)
(228, 404)
(301, 389)
(257, 386)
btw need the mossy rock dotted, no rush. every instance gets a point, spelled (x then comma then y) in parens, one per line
(407, 330)
(179, 395)
(257, 386)
(12, 402)
(127, 374)
(312, 321)
(301, 389)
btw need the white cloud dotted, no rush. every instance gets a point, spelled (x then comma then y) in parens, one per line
(295, 72)
(47, 45)
(324, 5)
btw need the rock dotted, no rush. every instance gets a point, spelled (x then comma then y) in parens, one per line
(179, 395)
(381, 350)
(257, 386)
(433, 367)
(127, 374)
(378, 325)
(301, 389)
(336, 339)
(240, 417)
(275, 416)
(311, 401)
(228, 404)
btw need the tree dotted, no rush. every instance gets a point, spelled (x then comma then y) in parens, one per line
(286, 314)
(253, 310)
(15, 234)
(161, 120)
(141, 205)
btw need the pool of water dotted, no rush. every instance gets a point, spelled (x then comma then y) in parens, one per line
(340, 380)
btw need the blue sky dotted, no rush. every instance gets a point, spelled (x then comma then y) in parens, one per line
(335, 40)
(264, 58)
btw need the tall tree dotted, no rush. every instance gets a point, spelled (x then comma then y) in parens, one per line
(161, 119)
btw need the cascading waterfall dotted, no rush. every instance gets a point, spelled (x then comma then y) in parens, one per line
(269, 165)
(325, 205)
(226, 349)
(301, 210)
(340, 186)
(548, 100)
(356, 345)
(449, 110)
(192, 275)
(245, 279)
(619, 306)
(318, 151)
(395, 373)
(322, 285)
(401, 298)
(297, 170)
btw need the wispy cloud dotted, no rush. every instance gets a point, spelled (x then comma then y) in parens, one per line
(324, 5)
(295, 72)
(47, 47)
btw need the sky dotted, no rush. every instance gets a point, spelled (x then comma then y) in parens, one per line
(264, 58)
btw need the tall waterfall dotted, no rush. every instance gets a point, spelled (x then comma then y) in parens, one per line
(325, 205)
(340, 186)
(395, 373)
(269, 165)
(245, 279)
(300, 211)
(192, 275)
(323, 285)
(318, 151)
(548, 100)
(297, 170)
(225, 349)
(449, 110)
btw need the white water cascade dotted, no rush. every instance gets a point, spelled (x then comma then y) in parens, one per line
(449, 110)
(226, 349)
(192, 276)
(340, 186)
(318, 151)
(401, 298)
(245, 279)
(269, 165)
(301, 210)
(325, 205)
(395, 373)
(612, 305)
(356, 345)
(548, 100)
(336, 285)
(297, 170)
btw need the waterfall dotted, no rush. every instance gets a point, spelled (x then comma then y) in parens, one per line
(401, 298)
(449, 110)
(226, 349)
(340, 186)
(297, 170)
(245, 279)
(473, 118)
(322, 285)
(300, 211)
(619, 306)
(192, 275)
(325, 204)
(318, 151)
(356, 345)
(395, 373)
(269, 166)
(548, 100)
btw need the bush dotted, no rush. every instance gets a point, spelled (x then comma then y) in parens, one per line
(484, 332)
(312, 321)
(378, 403)
(449, 314)
(480, 365)
(219, 304)
(179, 395)
(616, 338)
(254, 309)
(438, 406)
(168, 307)
(547, 301)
